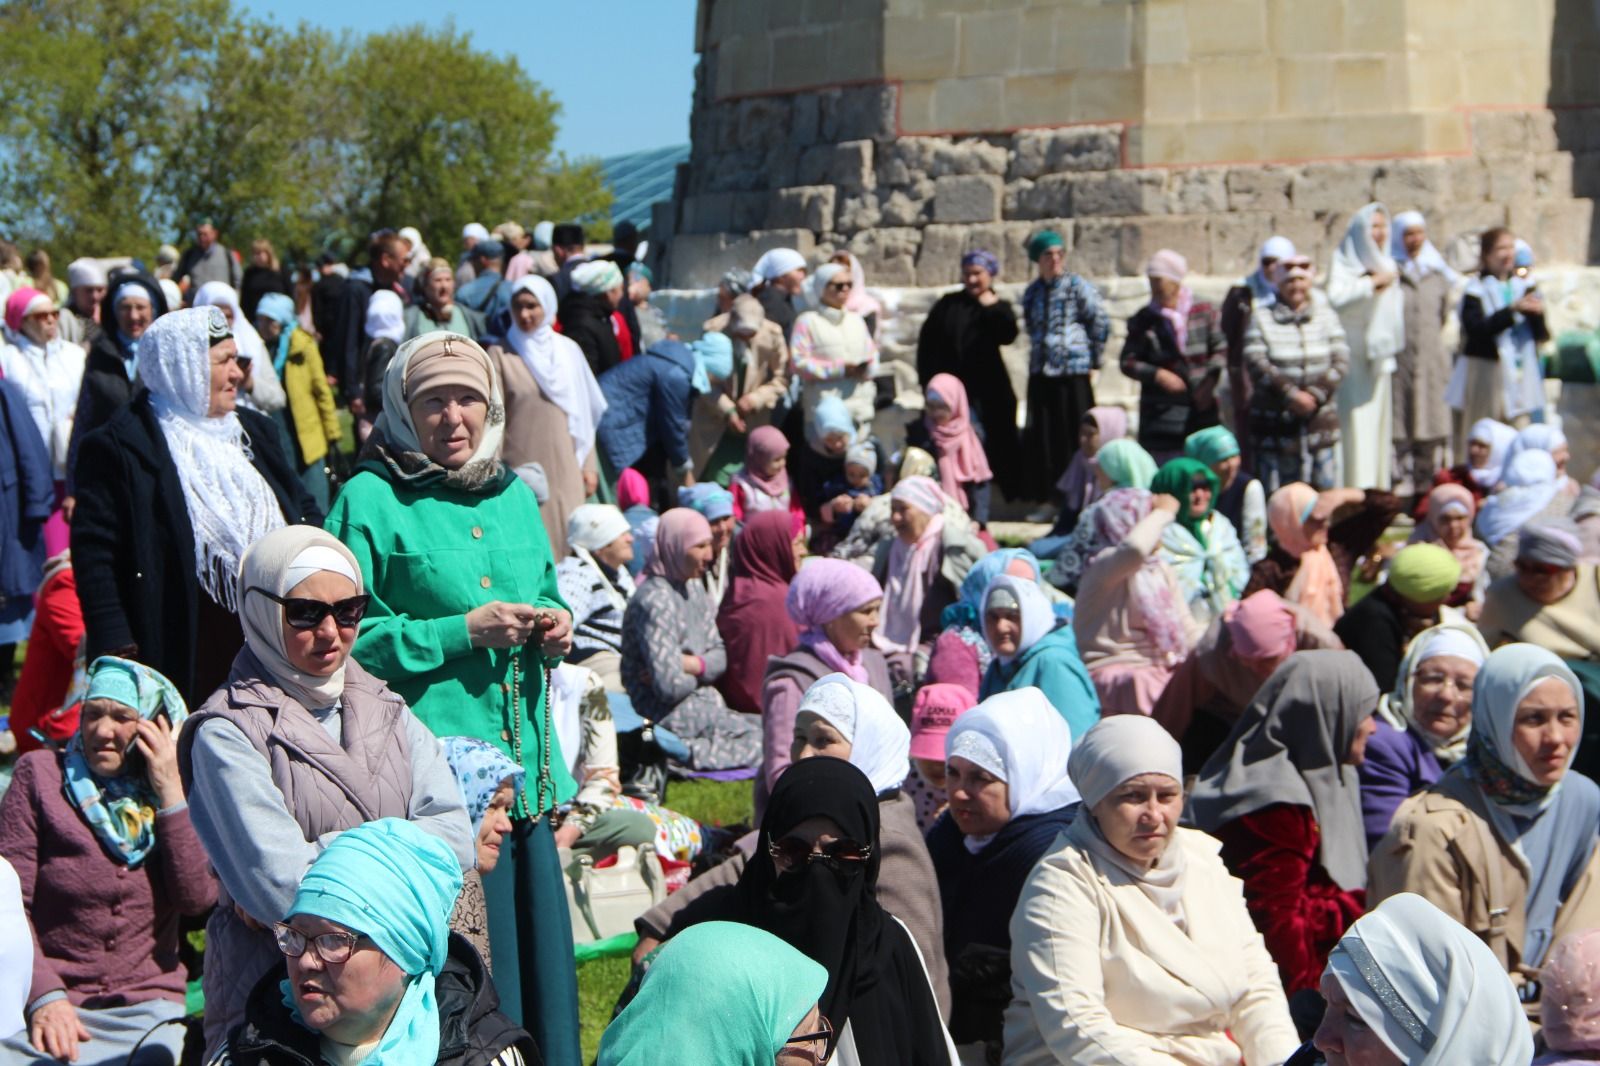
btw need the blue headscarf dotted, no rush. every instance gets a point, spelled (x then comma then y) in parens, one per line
(480, 769)
(121, 810)
(968, 610)
(397, 885)
(710, 499)
(830, 415)
(279, 308)
(713, 358)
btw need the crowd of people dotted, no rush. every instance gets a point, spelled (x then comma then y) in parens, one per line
(363, 607)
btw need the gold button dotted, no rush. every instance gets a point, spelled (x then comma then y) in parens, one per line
(505, 734)
(477, 532)
(484, 582)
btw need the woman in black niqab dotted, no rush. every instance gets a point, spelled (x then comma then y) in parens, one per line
(876, 980)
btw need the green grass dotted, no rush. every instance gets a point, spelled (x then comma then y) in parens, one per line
(601, 982)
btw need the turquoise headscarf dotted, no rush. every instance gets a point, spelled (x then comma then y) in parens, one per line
(279, 308)
(745, 989)
(1127, 464)
(713, 358)
(397, 885)
(1211, 445)
(121, 810)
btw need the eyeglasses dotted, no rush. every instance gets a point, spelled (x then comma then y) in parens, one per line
(1535, 569)
(333, 948)
(793, 852)
(308, 614)
(1432, 681)
(841, 286)
(825, 1035)
(48, 316)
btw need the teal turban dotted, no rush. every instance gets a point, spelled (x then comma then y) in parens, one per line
(1212, 445)
(397, 885)
(745, 990)
(1041, 242)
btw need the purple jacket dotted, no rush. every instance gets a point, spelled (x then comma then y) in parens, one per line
(1398, 765)
(105, 934)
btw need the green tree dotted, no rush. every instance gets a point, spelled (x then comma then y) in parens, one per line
(471, 142)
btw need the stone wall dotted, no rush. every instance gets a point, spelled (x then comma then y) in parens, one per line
(910, 130)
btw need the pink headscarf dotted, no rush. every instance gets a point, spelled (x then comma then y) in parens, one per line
(1078, 484)
(1471, 552)
(1317, 585)
(680, 529)
(912, 568)
(24, 302)
(1570, 1004)
(961, 457)
(765, 444)
(1261, 625)
(632, 490)
(823, 590)
(1174, 267)
(1150, 587)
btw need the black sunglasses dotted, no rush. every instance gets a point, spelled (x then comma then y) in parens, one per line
(308, 614)
(825, 1034)
(795, 852)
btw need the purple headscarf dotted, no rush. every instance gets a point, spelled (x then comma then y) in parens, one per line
(823, 590)
(979, 257)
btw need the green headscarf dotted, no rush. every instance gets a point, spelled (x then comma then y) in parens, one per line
(1041, 241)
(397, 885)
(1176, 478)
(121, 810)
(1126, 463)
(1211, 445)
(745, 989)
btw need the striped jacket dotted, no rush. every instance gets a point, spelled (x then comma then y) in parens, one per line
(1285, 351)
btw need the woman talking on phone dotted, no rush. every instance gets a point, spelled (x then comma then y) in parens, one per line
(465, 615)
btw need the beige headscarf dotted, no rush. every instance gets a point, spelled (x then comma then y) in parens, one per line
(278, 562)
(395, 435)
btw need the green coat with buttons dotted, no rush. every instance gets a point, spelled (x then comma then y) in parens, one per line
(429, 555)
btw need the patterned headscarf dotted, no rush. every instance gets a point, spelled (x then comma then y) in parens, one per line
(121, 810)
(480, 769)
(1150, 587)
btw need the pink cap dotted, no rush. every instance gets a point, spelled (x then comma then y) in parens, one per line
(935, 711)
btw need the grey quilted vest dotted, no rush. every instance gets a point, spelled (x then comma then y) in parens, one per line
(327, 786)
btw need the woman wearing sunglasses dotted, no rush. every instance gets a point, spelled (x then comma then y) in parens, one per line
(298, 746)
(107, 861)
(832, 349)
(813, 883)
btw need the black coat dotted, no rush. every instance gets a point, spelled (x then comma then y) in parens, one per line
(585, 319)
(472, 1031)
(960, 336)
(133, 546)
(107, 384)
(342, 347)
(1378, 629)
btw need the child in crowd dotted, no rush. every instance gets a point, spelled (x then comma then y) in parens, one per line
(936, 709)
(762, 483)
(843, 498)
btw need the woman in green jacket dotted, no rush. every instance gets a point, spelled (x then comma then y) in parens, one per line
(1033, 648)
(313, 423)
(465, 621)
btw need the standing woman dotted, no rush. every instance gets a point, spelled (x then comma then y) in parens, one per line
(1502, 326)
(672, 654)
(313, 423)
(553, 405)
(752, 618)
(465, 615)
(1422, 372)
(48, 369)
(170, 493)
(108, 862)
(1200, 545)
(1505, 842)
(832, 350)
(1283, 796)
(1361, 287)
(1067, 331)
(1175, 349)
(963, 335)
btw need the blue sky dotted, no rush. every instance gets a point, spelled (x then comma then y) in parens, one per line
(622, 69)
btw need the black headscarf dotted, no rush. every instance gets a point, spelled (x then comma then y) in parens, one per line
(875, 978)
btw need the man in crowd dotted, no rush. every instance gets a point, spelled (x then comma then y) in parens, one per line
(206, 260)
(86, 284)
(567, 244)
(341, 349)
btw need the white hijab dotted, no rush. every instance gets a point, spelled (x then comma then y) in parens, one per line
(1038, 617)
(1359, 255)
(16, 951)
(278, 562)
(1432, 991)
(880, 743)
(1425, 262)
(230, 504)
(266, 392)
(558, 365)
(1020, 738)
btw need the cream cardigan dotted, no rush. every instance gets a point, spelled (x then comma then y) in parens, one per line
(1100, 976)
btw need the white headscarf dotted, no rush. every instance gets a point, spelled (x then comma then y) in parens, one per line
(16, 951)
(1038, 617)
(1114, 750)
(1499, 437)
(1427, 261)
(278, 562)
(385, 317)
(1458, 639)
(230, 504)
(1531, 482)
(265, 391)
(880, 743)
(1358, 255)
(558, 365)
(1020, 738)
(417, 260)
(1432, 991)
(777, 262)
